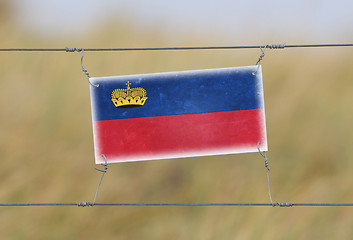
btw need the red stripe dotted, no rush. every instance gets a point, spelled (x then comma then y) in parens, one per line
(179, 135)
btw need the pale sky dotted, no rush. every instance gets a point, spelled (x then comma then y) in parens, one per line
(281, 20)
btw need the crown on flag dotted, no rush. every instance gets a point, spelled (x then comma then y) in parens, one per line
(129, 96)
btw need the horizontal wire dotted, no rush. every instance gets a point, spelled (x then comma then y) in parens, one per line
(86, 204)
(272, 46)
(35, 204)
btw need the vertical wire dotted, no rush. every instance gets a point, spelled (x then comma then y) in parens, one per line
(103, 172)
(85, 71)
(258, 63)
(263, 154)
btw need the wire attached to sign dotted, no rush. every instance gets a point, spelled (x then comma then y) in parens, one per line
(85, 71)
(263, 154)
(89, 204)
(260, 59)
(105, 164)
(262, 55)
(68, 49)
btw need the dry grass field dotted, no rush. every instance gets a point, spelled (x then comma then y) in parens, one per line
(46, 145)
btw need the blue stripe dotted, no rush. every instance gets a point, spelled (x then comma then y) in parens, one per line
(176, 93)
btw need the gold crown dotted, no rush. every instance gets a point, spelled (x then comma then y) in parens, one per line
(129, 96)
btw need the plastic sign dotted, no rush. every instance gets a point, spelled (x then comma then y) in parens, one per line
(178, 114)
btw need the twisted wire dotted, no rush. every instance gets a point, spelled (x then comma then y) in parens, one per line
(82, 67)
(263, 154)
(103, 172)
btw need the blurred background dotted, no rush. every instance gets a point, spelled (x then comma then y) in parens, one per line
(46, 142)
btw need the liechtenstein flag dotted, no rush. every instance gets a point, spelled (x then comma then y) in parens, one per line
(178, 114)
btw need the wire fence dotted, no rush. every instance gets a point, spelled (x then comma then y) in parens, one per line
(262, 47)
